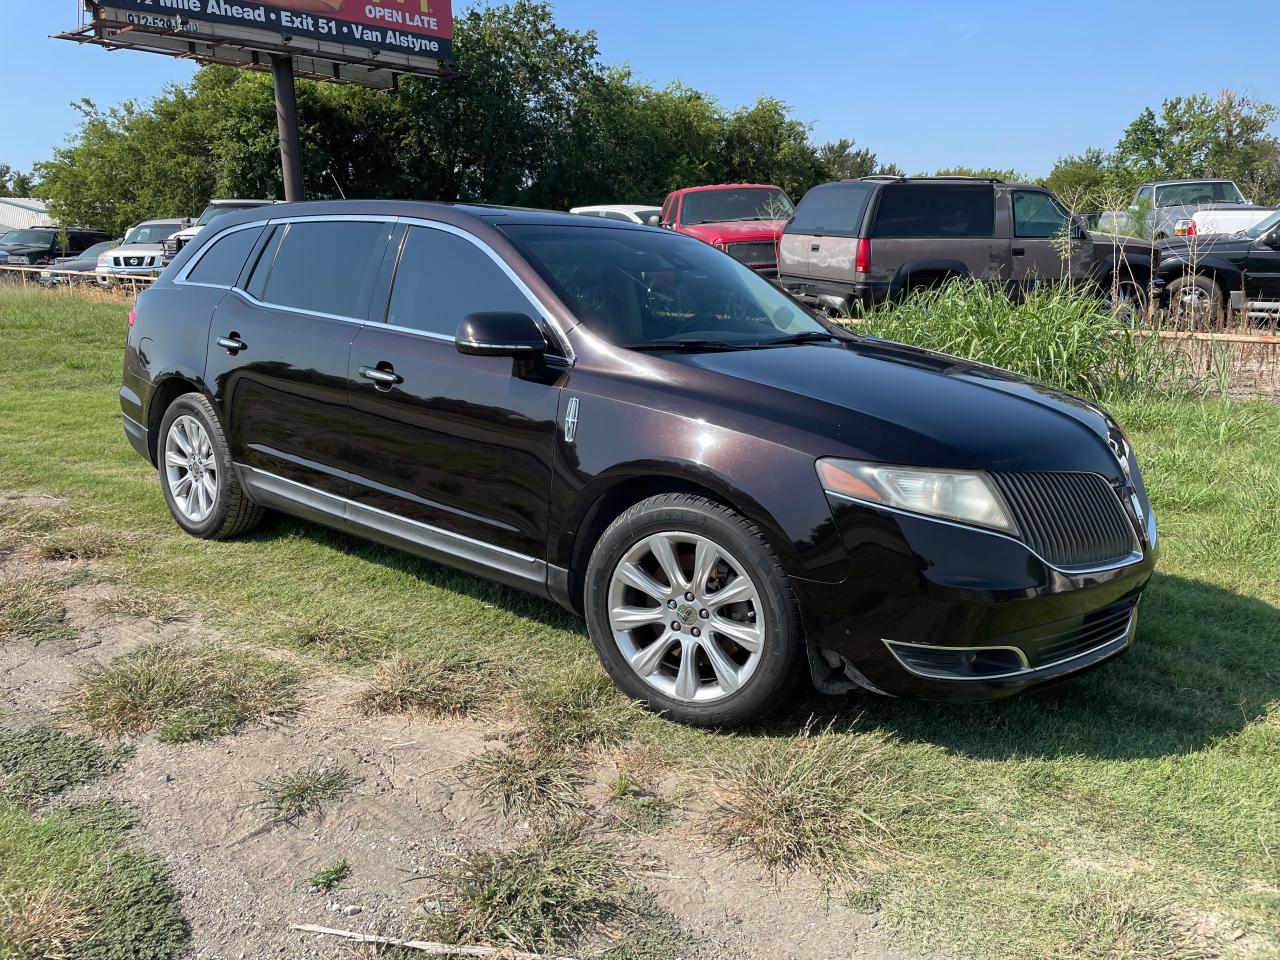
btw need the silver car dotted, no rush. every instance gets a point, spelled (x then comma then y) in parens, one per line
(141, 254)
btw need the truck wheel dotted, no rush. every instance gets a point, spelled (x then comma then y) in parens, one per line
(1127, 299)
(1195, 302)
(692, 614)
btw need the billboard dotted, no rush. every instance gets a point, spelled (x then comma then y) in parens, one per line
(357, 41)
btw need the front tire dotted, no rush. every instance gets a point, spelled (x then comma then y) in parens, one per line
(692, 614)
(200, 485)
(1195, 302)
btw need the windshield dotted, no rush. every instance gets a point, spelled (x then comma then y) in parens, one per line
(28, 238)
(1264, 227)
(98, 249)
(748, 203)
(650, 288)
(152, 232)
(1190, 194)
(213, 212)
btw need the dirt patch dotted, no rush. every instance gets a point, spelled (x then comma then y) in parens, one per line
(244, 879)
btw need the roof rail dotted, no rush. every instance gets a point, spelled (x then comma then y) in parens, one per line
(894, 178)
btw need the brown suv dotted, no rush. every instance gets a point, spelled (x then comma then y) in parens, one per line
(860, 242)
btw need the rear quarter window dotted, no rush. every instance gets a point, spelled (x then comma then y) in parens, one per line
(221, 265)
(833, 209)
(935, 211)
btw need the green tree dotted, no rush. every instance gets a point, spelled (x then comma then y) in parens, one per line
(1202, 136)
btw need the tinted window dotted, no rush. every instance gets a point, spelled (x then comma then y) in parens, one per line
(935, 210)
(221, 265)
(834, 209)
(645, 287)
(327, 267)
(442, 278)
(1035, 215)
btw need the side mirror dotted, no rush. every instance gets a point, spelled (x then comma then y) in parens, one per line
(1080, 226)
(654, 220)
(501, 335)
(1273, 240)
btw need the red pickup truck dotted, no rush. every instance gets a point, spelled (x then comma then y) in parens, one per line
(744, 220)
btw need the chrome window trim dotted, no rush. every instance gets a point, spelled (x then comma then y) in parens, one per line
(1119, 642)
(538, 305)
(1135, 557)
(183, 277)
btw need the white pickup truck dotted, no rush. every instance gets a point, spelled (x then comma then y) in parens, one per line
(1221, 220)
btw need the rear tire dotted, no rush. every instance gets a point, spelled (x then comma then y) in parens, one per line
(199, 482)
(721, 659)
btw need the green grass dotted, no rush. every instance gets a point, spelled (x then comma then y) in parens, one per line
(429, 686)
(527, 783)
(185, 695)
(71, 887)
(330, 878)
(41, 761)
(292, 796)
(1136, 805)
(31, 609)
(538, 896)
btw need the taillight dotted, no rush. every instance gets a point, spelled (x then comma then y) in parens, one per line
(133, 316)
(1191, 229)
(862, 263)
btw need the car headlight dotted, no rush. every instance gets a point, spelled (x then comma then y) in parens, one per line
(962, 495)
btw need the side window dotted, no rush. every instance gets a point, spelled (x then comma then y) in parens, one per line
(1036, 216)
(442, 278)
(941, 211)
(261, 268)
(671, 208)
(221, 264)
(1144, 195)
(327, 266)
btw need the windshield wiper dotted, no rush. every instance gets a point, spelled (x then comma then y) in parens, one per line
(809, 336)
(687, 346)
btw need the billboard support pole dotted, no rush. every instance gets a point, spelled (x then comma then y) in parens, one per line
(287, 121)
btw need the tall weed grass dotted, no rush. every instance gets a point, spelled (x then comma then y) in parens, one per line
(1059, 336)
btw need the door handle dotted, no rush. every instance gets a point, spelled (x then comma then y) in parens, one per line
(382, 379)
(815, 248)
(232, 344)
(1019, 251)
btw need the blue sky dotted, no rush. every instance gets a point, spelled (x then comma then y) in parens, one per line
(924, 84)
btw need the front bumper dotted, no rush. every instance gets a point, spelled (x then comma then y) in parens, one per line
(925, 600)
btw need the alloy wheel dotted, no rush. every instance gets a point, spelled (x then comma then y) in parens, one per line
(687, 617)
(191, 469)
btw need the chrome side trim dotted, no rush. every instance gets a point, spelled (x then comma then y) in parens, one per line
(1106, 648)
(1134, 557)
(443, 546)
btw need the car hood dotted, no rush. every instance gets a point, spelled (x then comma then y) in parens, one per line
(23, 249)
(891, 403)
(138, 250)
(1209, 244)
(737, 231)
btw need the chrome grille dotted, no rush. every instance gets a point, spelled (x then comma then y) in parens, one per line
(761, 253)
(1070, 519)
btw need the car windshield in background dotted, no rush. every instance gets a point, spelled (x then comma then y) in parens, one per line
(152, 233)
(1188, 194)
(718, 206)
(833, 209)
(653, 289)
(27, 238)
(1264, 227)
(221, 210)
(98, 249)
